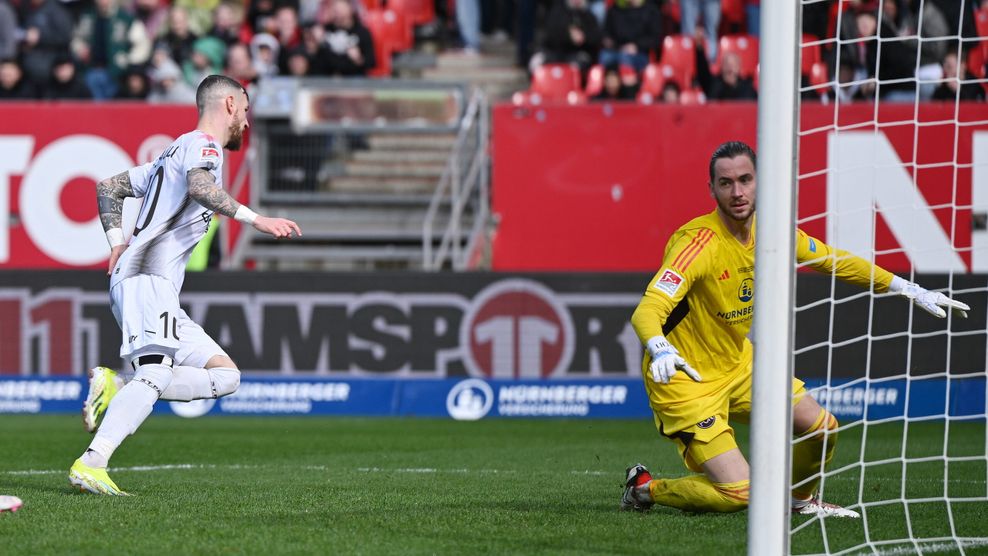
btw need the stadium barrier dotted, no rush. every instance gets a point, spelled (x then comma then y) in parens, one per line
(454, 344)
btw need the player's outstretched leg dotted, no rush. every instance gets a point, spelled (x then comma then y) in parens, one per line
(193, 383)
(810, 455)
(104, 383)
(636, 495)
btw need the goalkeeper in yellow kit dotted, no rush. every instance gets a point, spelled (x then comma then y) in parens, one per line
(695, 316)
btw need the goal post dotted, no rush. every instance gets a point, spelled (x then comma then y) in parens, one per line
(768, 513)
(870, 140)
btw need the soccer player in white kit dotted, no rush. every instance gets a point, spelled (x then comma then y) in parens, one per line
(172, 357)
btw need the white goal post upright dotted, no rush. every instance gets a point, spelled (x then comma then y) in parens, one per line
(768, 514)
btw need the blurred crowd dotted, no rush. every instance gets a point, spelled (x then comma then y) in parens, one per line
(159, 50)
(898, 50)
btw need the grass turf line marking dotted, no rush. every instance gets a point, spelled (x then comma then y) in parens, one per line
(927, 548)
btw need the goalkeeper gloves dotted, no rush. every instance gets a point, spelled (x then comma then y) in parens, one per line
(666, 361)
(931, 302)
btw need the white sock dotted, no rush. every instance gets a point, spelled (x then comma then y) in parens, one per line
(193, 383)
(127, 410)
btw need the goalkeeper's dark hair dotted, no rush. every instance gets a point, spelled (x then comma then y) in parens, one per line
(731, 149)
(215, 86)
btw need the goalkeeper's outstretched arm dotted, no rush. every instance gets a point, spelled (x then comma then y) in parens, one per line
(855, 270)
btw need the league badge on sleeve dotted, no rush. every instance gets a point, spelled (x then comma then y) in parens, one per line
(210, 155)
(669, 282)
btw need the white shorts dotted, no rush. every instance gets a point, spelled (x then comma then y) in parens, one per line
(152, 322)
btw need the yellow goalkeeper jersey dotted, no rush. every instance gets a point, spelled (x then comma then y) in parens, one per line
(702, 299)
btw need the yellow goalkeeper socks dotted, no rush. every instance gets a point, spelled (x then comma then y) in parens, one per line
(697, 493)
(808, 454)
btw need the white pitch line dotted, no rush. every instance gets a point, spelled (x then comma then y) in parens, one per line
(927, 548)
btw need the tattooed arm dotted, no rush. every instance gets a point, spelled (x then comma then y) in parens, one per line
(110, 195)
(203, 188)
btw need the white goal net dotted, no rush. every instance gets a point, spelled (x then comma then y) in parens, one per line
(893, 167)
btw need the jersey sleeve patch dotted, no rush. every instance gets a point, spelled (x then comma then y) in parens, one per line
(209, 157)
(669, 282)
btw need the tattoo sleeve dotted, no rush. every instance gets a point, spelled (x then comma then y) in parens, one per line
(203, 188)
(110, 195)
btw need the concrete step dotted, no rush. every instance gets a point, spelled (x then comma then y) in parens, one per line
(411, 142)
(396, 170)
(476, 75)
(382, 184)
(402, 156)
(459, 61)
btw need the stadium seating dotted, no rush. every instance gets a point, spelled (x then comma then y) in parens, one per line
(381, 25)
(981, 21)
(732, 16)
(555, 81)
(595, 81)
(679, 52)
(976, 60)
(745, 46)
(810, 53)
(653, 80)
(692, 96)
(418, 12)
(819, 78)
(390, 27)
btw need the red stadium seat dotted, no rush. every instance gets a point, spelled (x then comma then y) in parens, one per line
(819, 77)
(679, 52)
(371, 4)
(531, 98)
(554, 82)
(976, 61)
(654, 79)
(418, 12)
(595, 81)
(692, 96)
(385, 41)
(809, 53)
(745, 46)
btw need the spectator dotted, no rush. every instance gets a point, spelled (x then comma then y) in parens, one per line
(260, 16)
(179, 38)
(288, 33)
(207, 58)
(752, 16)
(933, 28)
(631, 31)
(47, 33)
(153, 14)
(711, 21)
(297, 63)
(239, 66)
(227, 20)
(8, 31)
(954, 73)
(108, 41)
(316, 49)
(619, 84)
(895, 69)
(729, 85)
(200, 14)
(670, 93)
(65, 82)
(134, 84)
(572, 35)
(13, 84)
(351, 48)
(167, 85)
(264, 51)
(468, 20)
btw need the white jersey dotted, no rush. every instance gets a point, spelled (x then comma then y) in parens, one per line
(170, 222)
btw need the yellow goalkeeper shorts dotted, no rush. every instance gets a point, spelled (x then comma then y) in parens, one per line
(701, 427)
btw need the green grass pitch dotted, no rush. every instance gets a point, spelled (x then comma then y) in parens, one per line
(315, 485)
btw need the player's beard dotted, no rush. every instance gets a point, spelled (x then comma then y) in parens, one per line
(728, 210)
(236, 136)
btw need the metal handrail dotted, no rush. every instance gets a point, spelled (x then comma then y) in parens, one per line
(461, 190)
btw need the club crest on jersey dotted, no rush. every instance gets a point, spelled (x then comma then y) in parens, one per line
(746, 290)
(669, 282)
(707, 423)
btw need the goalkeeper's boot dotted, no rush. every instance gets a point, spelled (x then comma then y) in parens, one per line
(10, 504)
(102, 387)
(636, 477)
(93, 479)
(815, 506)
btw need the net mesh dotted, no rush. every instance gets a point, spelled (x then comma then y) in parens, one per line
(893, 166)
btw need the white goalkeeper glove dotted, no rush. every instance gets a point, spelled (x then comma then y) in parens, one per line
(931, 302)
(666, 361)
